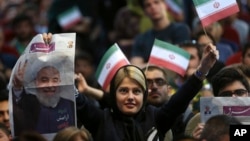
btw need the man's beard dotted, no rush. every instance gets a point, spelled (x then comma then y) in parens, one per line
(50, 101)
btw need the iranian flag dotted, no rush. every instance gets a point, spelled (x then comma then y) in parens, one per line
(210, 11)
(169, 56)
(70, 17)
(112, 60)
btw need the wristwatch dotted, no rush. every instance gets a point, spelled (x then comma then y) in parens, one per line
(200, 75)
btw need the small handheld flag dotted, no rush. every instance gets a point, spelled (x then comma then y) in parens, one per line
(70, 17)
(210, 11)
(112, 60)
(169, 56)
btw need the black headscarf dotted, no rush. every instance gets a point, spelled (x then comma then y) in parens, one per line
(131, 126)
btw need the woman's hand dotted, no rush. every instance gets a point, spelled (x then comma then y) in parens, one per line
(198, 130)
(82, 85)
(209, 57)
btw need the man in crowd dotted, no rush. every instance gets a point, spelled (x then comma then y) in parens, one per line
(49, 112)
(160, 93)
(163, 29)
(4, 108)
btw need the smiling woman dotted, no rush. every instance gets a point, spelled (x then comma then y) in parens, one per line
(130, 90)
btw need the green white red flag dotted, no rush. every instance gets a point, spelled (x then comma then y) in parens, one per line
(70, 17)
(210, 11)
(112, 60)
(169, 56)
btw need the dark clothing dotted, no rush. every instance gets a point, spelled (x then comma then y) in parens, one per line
(8, 60)
(52, 120)
(29, 114)
(106, 125)
(25, 113)
(175, 33)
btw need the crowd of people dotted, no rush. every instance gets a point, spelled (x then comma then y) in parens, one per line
(144, 102)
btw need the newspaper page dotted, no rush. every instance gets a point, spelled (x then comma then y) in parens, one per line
(42, 87)
(238, 107)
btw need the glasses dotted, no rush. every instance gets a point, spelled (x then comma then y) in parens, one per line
(238, 92)
(157, 81)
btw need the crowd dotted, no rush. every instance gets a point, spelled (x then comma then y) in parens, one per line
(144, 101)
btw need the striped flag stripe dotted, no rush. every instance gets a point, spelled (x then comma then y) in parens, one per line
(169, 56)
(201, 2)
(162, 62)
(217, 16)
(163, 54)
(210, 11)
(112, 72)
(112, 60)
(70, 17)
(169, 47)
(209, 8)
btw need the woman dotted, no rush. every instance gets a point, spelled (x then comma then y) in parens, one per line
(129, 118)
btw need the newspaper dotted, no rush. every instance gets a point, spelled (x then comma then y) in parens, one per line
(238, 107)
(42, 87)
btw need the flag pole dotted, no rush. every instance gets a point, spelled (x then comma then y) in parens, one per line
(206, 34)
(146, 67)
(204, 29)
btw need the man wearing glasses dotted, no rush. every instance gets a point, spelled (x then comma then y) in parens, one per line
(159, 90)
(228, 82)
(160, 93)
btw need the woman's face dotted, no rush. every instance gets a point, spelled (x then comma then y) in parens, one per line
(129, 97)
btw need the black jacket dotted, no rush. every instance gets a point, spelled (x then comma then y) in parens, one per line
(104, 125)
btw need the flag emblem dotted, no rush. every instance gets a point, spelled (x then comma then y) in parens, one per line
(216, 5)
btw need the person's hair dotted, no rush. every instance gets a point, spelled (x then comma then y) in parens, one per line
(202, 33)
(30, 136)
(122, 23)
(225, 77)
(69, 134)
(217, 127)
(242, 69)
(131, 72)
(4, 95)
(192, 44)
(245, 49)
(21, 18)
(84, 56)
(141, 3)
(3, 80)
(154, 67)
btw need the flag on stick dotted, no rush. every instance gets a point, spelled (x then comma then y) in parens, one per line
(169, 56)
(210, 11)
(70, 17)
(112, 60)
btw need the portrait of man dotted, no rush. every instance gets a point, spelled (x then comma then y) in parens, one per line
(41, 106)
